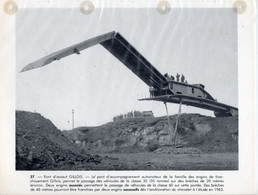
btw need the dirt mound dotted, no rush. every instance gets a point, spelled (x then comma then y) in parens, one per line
(40, 145)
(223, 136)
(203, 143)
(196, 133)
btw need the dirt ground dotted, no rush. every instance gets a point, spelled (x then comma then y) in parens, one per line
(154, 161)
(205, 143)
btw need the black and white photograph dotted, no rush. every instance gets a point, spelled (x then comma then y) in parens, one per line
(126, 89)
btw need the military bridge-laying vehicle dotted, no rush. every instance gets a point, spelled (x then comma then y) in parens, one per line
(161, 88)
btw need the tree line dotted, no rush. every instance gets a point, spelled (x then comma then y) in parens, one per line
(132, 114)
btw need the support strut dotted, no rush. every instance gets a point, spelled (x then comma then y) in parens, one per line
(169, 125)
(177, 119)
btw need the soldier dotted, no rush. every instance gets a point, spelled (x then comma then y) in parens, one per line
(166, 76)
(151, 91)
(182, 78)
(186, 82)
(172, 78)
(177, 77)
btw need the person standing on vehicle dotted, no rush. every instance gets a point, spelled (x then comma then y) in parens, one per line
(182, 78)
(177, 77)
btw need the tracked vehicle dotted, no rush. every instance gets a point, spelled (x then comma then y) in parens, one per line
(161, 89)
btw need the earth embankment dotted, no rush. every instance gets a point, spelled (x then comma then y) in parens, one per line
(202, 143)
(195, 134)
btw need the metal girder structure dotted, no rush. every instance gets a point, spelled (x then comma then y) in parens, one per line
(117, 46)
(196, 102)
(74, 49)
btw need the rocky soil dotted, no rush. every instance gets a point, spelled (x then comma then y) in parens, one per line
(196, 134)
(40, 145)
(203, 143)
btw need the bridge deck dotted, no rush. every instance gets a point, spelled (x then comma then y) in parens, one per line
(194, 101)
(118, 46)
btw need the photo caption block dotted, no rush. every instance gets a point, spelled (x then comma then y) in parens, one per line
(140, 183)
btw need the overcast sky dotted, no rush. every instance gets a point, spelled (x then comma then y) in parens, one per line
(200, 43)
